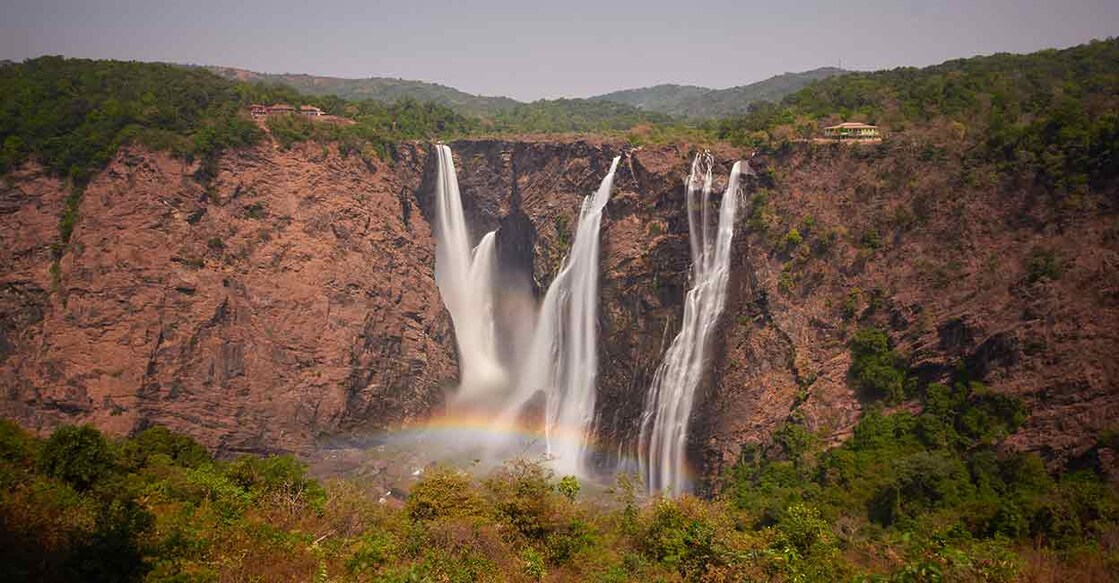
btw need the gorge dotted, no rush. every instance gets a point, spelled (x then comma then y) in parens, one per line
(254, 334)
(293, 301)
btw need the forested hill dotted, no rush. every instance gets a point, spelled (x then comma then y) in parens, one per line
(383, 89)
(689, 101)
(73, 114)
(1052, 114)
(681, 101)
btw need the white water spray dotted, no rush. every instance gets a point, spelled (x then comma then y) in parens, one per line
(668, 405)
(465, 278)
(563, 359)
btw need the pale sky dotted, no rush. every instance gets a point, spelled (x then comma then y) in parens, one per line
(530, 50)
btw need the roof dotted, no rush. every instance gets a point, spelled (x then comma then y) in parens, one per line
(308, 108)
(281, 106)
(851, 125)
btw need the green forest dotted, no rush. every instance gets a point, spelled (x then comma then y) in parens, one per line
(1050, 116)
(73, 114)
(911, 497)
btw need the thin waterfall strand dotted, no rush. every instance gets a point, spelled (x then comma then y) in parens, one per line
(465, 278)
(668, 406)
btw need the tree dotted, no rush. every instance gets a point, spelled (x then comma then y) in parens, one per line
(875, 368)
(79, 455)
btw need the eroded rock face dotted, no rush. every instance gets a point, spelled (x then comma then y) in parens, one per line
(294, 298)
(951, 262)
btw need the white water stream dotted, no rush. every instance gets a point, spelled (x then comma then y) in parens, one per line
(669, 402)
(561, 361)
(562, 358)
(465, 277)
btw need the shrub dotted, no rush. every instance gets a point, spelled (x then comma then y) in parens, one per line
(443, 493)
(793, 239)
(921, 481)
(373, 551)
(569, 487)
(524, 495)
(989, 416)
(208, 482)
(16, 445)
(1043, 265)
(870, 240)
(794, 439)
(78, 455)
(181, 450)
(851, 303)
(679, 535)
(761, 217)
(785, 283)
(113, 552)
(802, 528)
(533, 564)
(282, 478)
(567, 540)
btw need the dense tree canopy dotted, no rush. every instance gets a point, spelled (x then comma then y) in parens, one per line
(1052, 115)
(73, 114)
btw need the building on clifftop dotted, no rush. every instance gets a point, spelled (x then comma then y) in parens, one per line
(852, 131)
(280, 108)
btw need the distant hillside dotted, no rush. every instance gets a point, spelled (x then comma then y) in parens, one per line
(499, 113)
(665, 98)
(701, 102)
(574, 115)
(377, 88)
(186, 110)
(674, 100)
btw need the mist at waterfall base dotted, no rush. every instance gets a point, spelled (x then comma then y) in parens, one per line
(527, 384)
(538, 404)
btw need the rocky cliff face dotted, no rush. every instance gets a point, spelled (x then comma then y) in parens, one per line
(293, 297)
(289, 298)
(1000, 283)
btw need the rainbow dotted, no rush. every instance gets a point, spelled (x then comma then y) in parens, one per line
(458, 437)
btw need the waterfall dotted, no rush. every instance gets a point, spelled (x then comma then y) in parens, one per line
(562, 360)
(668, 404)
(465, 278)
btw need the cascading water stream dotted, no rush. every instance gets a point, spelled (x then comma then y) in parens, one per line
(563, 359)
(465, 278)
(668, 405)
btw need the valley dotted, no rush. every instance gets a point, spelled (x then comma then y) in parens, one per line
(729, 349)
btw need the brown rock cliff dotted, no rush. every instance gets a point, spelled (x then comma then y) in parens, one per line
(293, 298)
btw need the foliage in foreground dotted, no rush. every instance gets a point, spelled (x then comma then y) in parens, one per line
(890, 507)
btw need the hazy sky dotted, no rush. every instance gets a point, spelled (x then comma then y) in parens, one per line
(529, 50)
